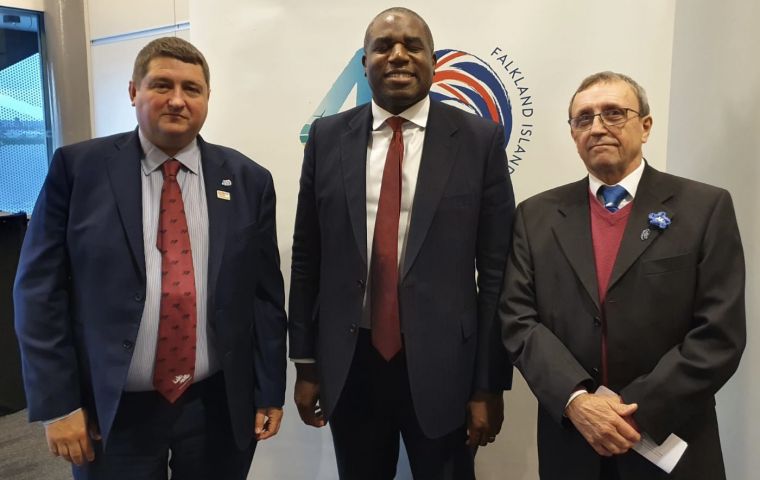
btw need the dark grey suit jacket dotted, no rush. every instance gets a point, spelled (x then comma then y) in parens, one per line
(461, 219)
(674, 310)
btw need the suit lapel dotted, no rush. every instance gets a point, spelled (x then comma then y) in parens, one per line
(124, 172)
(651, 195)
(573, 233)
(214, 172)
(438, 154)
(353, 156)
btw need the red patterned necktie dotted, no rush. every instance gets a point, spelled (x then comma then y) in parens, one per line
(386, 326)
(175, 353)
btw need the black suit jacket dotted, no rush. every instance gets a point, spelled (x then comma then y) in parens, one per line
(461, 219)
(674, 311)
(80, 287)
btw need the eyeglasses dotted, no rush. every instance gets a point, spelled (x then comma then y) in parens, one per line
(610, 117)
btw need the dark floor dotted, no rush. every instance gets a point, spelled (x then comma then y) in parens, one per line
(24, 454)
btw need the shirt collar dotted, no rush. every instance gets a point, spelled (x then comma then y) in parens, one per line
(417, 114)
(630, 182)
(154, 157)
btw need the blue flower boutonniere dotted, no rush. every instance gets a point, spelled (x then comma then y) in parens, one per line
(659, 220)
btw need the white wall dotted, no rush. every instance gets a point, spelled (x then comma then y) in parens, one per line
(715, 137)
(118, 30)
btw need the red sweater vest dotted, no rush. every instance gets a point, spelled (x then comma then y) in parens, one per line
(606, 234)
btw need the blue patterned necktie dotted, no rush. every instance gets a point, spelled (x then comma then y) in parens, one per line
(612, 196)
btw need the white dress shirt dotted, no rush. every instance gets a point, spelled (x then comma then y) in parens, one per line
(414, 137)
(630, 183)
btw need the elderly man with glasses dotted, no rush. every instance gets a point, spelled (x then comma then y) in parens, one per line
(623, 303)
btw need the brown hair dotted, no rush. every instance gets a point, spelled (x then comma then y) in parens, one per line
(172, 47)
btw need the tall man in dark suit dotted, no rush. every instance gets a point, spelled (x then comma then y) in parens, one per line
(632, 279)
(401, 201)
(149, 300)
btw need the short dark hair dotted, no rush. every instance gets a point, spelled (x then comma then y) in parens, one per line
(608, 77)
(172, 47)
(405, 11)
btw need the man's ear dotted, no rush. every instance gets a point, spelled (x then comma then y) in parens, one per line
(132, 92)
(646, 125)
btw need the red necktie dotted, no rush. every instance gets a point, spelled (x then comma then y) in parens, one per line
(386, 326)
(175, 353)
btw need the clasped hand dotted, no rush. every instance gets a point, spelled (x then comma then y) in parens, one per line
(605, 422)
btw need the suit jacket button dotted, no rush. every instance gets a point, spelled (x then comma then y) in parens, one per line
(361, 284)
(138, 297)
(127, 345)
(597, 322)
(595, 371)
(352, 329)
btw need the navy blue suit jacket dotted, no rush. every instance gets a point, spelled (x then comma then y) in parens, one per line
(461, 221)
(80, 286)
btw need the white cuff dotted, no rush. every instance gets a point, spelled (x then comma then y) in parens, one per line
(53, 420)
(303, 360)
(575, 395)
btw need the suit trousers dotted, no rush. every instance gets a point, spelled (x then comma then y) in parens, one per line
(374, 410)
(609, 469)
(192, 437)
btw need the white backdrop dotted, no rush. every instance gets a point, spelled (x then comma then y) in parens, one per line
(714, 138)
(273, 61)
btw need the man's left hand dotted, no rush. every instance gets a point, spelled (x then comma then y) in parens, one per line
(267, 422)
(484, 419)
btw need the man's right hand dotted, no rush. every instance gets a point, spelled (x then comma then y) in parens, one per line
(306, 395)
(69, 438)
(604, 421)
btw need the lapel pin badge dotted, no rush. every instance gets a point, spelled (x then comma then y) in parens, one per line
(645, 234)
(226, 182)
(222, 194)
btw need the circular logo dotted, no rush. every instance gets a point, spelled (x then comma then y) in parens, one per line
(465, 81)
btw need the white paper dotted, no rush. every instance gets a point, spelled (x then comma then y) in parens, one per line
(665, 456)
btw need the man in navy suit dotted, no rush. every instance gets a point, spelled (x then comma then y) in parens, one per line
(631, 279)
(402, 202)
(93, 294)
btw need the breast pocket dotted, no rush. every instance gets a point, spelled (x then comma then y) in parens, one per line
(657, 266)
